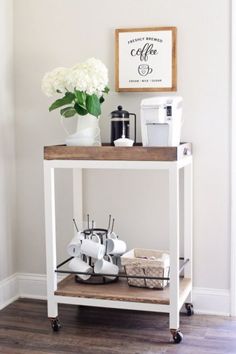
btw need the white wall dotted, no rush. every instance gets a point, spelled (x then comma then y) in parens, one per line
(7, 144)
(59, 33)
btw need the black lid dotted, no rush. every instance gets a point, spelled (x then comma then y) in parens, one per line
(120, 113)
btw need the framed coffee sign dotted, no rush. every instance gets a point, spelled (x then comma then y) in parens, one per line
(145, 59)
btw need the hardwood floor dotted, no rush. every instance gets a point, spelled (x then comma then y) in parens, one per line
(24, 328)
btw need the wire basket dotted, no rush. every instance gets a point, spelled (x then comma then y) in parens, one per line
(147, 263)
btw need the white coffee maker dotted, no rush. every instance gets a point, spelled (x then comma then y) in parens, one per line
(161, 120)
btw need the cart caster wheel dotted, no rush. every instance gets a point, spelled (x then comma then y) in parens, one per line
(55, 324)
(189, 309)
(177, 336)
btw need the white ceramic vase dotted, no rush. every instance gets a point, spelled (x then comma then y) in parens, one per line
(87, 132)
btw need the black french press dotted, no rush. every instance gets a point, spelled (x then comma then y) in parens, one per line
(120, 124)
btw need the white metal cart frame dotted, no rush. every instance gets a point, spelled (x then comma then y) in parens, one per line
(173, 168)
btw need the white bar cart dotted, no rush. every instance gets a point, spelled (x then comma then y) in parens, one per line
(119, 295)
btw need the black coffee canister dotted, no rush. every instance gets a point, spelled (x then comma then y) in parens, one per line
(120, 124)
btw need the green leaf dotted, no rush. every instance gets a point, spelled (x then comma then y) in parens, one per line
(93, 105)
(81, 98)
(101, 99)
(68, 112)
(80, 110)
(67, 99)
(106, 89)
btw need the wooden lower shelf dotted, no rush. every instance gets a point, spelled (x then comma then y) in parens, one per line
(120, 291)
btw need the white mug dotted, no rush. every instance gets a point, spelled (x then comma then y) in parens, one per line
(94, 237)
(73, 248)
(106, 267)
(93, 248)
(115, 246)
(112, 235)
(78, 265)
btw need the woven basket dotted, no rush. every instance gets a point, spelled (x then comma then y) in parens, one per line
(145, 262)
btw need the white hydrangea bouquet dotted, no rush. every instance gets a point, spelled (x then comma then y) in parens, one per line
(82, 86)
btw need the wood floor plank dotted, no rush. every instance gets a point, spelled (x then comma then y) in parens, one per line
(25, 328)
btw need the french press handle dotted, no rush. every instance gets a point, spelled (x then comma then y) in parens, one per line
(133, 114)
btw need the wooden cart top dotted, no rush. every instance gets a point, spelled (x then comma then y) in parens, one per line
(108, 152)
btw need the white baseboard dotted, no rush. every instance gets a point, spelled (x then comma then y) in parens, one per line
(33, 286)
(211, 301)
(9, 291)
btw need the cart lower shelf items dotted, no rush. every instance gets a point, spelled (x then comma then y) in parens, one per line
(119, 294)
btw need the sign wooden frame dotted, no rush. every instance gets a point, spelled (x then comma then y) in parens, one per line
(146, 59)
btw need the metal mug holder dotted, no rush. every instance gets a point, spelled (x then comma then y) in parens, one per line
(97, 279)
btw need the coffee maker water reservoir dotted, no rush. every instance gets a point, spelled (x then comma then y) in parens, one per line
(161, 121)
